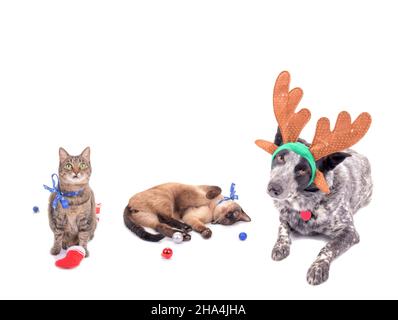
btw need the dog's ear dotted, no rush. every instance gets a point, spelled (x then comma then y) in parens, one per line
(326, 164)
(278, 141)
(331, 161)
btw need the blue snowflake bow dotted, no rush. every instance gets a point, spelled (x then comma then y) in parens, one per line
(60, 196)
(232, 195)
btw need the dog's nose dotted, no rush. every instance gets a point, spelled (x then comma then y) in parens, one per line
(274, 189)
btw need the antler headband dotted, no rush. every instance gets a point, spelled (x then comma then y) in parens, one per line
(325, 142)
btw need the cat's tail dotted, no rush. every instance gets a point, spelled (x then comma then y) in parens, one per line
(139, 230)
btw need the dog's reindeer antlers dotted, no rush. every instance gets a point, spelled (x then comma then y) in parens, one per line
(285, 103)
(344, 136)
(325, 142)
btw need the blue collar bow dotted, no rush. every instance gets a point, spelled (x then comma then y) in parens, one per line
(232, 195)
(60, 196)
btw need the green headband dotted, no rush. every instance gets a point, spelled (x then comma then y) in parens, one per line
(302, 150)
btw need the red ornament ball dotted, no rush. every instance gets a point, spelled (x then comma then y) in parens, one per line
(167, 253)
(98, 208)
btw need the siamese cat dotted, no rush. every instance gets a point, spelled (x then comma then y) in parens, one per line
(174, 207)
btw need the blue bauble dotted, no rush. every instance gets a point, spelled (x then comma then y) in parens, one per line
(243, 236)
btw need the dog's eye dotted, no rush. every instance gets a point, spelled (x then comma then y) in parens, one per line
(301, 172)
(280, 158)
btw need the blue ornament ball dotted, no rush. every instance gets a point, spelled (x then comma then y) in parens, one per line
(36, 209)
(243, 236)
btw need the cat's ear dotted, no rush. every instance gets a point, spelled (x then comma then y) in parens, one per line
(244, 217)
(63, 155)
(86, 154)
(213, 192)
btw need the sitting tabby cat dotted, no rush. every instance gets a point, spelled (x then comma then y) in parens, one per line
(76, 224)
(174, 207)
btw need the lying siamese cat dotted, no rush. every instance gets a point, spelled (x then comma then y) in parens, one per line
(175, 207)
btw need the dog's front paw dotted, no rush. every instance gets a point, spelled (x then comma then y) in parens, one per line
(318, 273)
(280, 251)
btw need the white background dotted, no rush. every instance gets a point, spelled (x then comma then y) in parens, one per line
(178, 91)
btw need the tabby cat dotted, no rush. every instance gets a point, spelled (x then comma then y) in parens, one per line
(76, 224)
(173, 207)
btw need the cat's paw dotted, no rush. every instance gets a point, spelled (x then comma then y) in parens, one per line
(280, 251)
(318, 272)
(87, 252)
(186, 237)
(55, 250)
(207, 233)
(187, 228)
(84, 223)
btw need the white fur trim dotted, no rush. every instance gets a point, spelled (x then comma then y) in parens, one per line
(79, 249)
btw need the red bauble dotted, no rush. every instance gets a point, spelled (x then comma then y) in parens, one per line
(167, 253)
(98, 208)
(306, 215)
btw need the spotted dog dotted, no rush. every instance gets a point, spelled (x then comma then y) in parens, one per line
(349, 176)
(316, 187)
